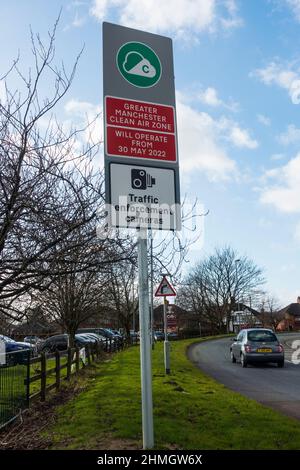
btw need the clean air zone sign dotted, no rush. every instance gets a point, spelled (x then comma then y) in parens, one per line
(140, 133)
(139, 64)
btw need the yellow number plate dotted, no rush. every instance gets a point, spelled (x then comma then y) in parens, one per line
(266, 350)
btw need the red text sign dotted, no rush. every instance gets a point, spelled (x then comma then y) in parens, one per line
(140, 144)
(139, 115)
(136, 129)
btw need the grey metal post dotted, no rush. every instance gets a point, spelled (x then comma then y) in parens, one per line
(133, 316)
(238, 300)
(151, 289)
(166, 342)
(145, 346)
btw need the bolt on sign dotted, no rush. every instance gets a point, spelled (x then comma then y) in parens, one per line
(141, 154)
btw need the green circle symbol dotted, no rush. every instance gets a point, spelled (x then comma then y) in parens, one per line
(139, 64)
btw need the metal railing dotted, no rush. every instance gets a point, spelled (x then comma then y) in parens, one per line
(14, 374)
(19, 372)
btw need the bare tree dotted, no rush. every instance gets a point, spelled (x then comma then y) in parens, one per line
(122, 293)
(271, 311)
(213, 286)
(48, 187)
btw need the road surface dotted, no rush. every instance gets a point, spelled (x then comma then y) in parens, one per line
(266, 383)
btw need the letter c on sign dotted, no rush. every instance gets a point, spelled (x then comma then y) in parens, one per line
(145, 68)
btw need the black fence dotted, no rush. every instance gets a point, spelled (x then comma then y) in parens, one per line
(19, 371)
(14, 370)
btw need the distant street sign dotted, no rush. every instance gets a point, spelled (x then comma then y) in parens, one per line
(165, 289)
(140, 129)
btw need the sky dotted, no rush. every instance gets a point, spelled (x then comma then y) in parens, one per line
(237, 77)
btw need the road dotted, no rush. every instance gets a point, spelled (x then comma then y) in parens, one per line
(266, 383)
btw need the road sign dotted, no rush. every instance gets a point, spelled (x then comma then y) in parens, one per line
(139, 64)
(165, 289)
(140, 126)
(140, 130)
(147, 197)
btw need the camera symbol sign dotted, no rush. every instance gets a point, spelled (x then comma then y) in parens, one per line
(142, 197)
(140, 179)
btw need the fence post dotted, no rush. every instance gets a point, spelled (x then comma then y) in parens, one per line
(57, 369)
(106, 344)
(93, 355)
(77, 360)
(69, 364)
(28, 380)
(110, 345)
(43, 376)
(88, 354)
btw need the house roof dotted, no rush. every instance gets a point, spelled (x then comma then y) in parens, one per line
(292, 309)
(250, 309)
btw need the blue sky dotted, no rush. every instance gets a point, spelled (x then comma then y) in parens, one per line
(237, 73)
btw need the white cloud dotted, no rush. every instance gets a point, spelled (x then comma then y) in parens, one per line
(283, 190)
(241, 137)
(199, 148)
(295, 7)
(78, 21)
(282, 76)
(86, 113)
(277, 156)
(210, 97)
(297, 232)
(290, 136)
(264, 120)
(181, 17)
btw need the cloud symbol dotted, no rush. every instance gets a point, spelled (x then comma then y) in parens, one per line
(136, 64)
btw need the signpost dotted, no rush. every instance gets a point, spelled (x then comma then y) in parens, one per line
(140, 130)
(164, 290)
(141, 158)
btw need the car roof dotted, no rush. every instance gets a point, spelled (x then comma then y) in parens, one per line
(63, 335)
(258, 329)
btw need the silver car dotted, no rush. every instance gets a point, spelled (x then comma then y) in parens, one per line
(255, 345)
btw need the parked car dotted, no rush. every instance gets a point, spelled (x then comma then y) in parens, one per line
(134, 336)
(33, 339)
(160, 335)
(16, 351)
(255, 345)
(106, 332)
(98, 338)
(61, 342)
(173, 336)
(116, 333)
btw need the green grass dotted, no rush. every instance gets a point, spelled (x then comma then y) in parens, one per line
(36, 369)
(191, 410)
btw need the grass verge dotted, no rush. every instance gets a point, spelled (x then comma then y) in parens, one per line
(191, 410)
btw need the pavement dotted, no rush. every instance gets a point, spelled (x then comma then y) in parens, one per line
(265, 383)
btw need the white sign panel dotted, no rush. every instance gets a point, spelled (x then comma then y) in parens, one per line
(143, 197)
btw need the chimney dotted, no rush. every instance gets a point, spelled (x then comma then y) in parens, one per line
(298, 299)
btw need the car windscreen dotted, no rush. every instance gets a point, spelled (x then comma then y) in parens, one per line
(261, 336)
(6, 339)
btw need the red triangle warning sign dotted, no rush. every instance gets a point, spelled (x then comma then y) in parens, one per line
(165, 289)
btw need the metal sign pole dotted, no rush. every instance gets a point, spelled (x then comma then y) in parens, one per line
(151, 290)
(166, 342)
(145, 346)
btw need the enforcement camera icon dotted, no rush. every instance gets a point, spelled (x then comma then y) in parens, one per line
(140, 179)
